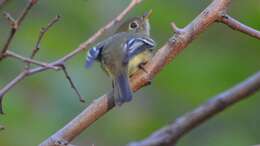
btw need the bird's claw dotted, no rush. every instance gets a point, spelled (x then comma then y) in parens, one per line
(141, 66)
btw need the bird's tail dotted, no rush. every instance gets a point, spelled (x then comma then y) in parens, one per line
(122, 90)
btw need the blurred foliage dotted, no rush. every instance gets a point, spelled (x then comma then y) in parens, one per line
(218, 59)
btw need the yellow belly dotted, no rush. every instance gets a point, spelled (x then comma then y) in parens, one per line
(137, 60)
(134, 63)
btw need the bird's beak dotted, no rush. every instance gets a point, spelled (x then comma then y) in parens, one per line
(147, 14)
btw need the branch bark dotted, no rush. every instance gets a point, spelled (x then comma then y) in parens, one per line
(164, 55)
(169, 135)
(29, 60)
(236, 25)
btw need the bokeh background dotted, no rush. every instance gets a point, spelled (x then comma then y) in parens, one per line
(215, 61)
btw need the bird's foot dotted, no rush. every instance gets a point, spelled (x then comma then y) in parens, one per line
(141, 66)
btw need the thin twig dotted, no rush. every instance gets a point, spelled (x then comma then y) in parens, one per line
(10, 19)
(42, 33)
(16, 24)
(236, 25)
(169, 135)
(81, 98)
(7, 87)
(165, 55)
(25, 11)
(13, 25)
(37, 47)
(29, 60)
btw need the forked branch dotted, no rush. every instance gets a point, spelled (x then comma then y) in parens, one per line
(15, 24)
(236, 25)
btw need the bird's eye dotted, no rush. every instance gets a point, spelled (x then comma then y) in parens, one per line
(133, 25)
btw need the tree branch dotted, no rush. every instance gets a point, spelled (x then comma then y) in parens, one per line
(7, 87)
(163, 56)
(15, 24)
(42, 33)
(81, 98)
(169, 135)
(31, 61)
(236, 25)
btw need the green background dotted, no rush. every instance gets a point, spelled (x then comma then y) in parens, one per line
(215, 61)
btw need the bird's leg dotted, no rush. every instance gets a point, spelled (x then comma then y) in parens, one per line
(141, 66)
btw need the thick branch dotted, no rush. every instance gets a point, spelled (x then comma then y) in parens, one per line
(163, 56)
(236, 25)
(169, 135)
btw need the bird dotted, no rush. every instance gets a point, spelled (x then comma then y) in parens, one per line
(139, 24)
(116, 54)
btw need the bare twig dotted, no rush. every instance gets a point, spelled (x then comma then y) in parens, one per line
(25, 11)
(31, 61)
(169, 135)
(15, 24)
(236, 25)
(42, 33)
(28, 61)
(10, 19)
(11, 35)
(81, 98)
(7, 87)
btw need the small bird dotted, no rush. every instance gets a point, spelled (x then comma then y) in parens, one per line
(116, 53)
(138, 24)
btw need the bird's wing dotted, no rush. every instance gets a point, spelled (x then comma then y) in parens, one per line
(136, 45)
(93, 54)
